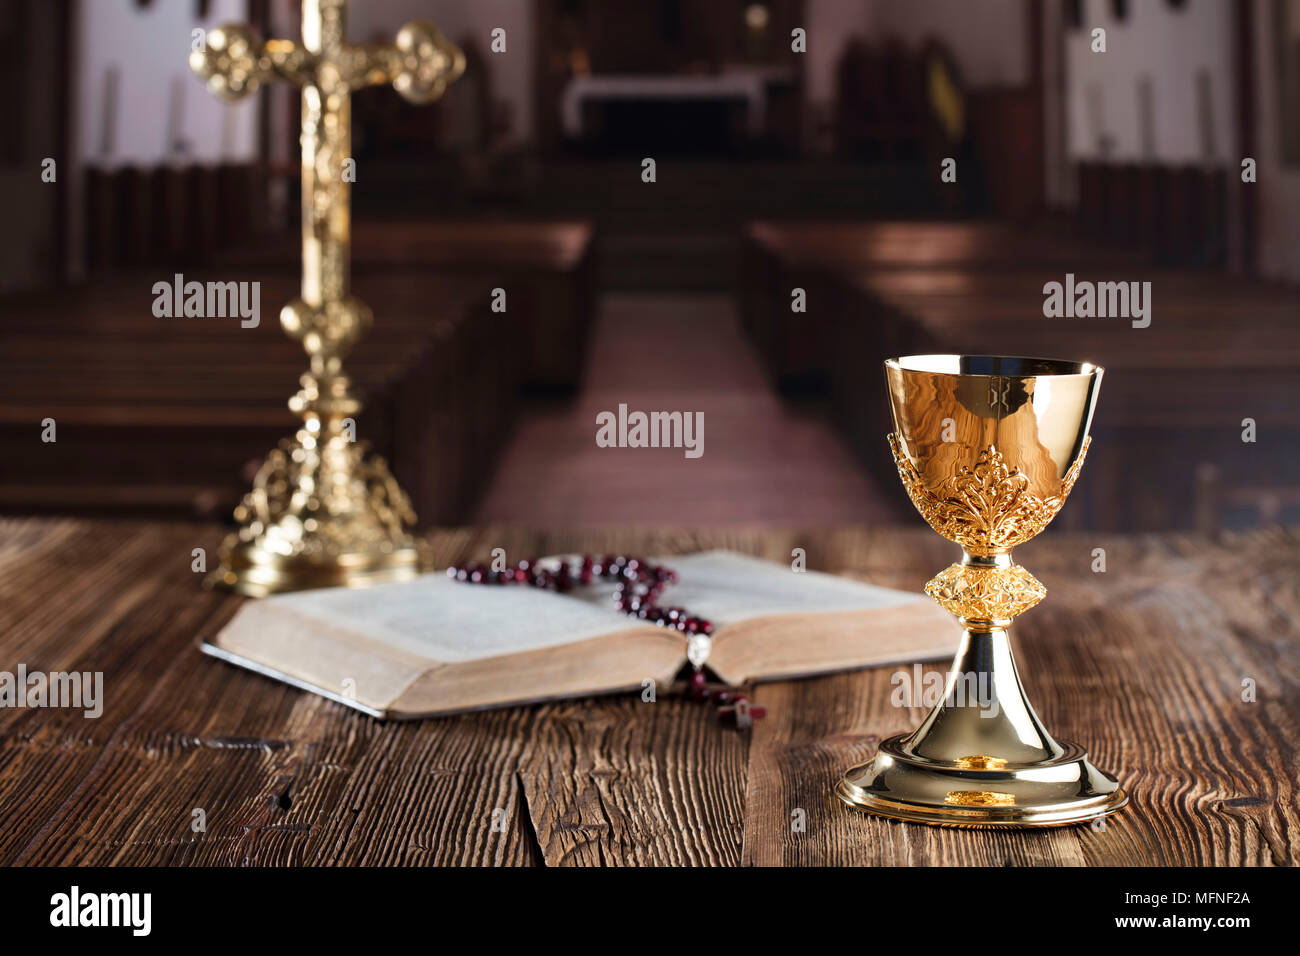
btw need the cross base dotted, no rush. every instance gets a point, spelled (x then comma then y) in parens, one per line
(253, 570)
(322, 513)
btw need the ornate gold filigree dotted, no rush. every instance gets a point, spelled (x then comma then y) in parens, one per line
(987, 509)
(419, 64)
(232, 62)
(371, 512)
(985, 594)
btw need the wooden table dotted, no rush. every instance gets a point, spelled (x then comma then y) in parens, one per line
(1144, 664)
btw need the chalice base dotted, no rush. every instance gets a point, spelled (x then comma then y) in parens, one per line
(1053, 792)
(982, 758)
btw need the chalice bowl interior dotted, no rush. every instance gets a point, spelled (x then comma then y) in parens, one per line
(988, 448)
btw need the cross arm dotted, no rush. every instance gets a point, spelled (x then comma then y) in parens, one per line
(419, 64)
(234, 62)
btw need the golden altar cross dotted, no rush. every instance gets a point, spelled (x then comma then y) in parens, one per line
(321, 511)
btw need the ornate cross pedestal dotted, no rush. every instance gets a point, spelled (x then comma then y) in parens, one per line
(322, 512)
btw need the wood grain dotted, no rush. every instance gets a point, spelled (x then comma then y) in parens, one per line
(1142, 664)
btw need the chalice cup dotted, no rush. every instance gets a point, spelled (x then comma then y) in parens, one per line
(988, 448)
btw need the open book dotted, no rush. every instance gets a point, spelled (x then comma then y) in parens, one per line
(434, 646)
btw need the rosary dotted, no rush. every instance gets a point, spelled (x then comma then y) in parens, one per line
(636, 594)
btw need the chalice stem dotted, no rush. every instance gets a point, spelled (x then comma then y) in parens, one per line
(984, 718)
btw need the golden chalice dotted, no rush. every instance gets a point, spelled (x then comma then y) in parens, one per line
(988, 448)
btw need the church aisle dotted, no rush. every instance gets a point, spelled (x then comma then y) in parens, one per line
(763, 461)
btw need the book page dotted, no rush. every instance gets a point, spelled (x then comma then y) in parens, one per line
(727, 588)
(447, 621)
(772, 622)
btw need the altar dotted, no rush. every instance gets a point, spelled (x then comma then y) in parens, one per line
(1148, 663)
(747, 88)
(656, 114)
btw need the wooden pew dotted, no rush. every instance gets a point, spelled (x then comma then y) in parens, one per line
(1218, 351)
(1177, 215)
(547, 270)
(169, 214)
(798, 348)
(170, 415)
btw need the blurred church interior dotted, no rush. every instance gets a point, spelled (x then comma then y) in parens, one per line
(797, 145)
